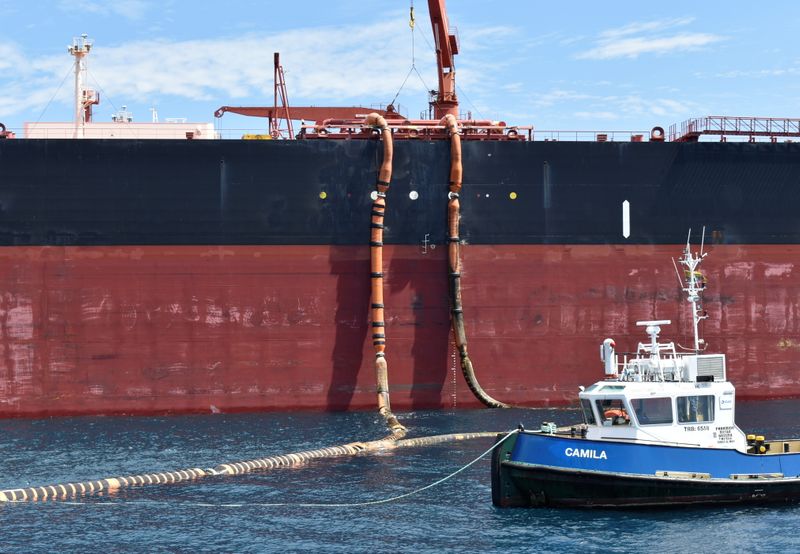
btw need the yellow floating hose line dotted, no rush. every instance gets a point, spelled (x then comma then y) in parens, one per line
(111, 485)
(454, 262)
(377, 122)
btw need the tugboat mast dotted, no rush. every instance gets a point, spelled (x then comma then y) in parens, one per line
(694, 285)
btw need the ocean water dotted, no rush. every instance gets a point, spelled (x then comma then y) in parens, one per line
(239, 514)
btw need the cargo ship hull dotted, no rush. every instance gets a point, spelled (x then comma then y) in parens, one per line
(143, 277)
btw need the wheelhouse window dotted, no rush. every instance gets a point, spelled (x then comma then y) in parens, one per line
(694, 409)
(588, 414)
(613, 412)
(652, 411)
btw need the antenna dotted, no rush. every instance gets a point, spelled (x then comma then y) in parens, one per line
(677, 273)
(695, 283)
(702, 241)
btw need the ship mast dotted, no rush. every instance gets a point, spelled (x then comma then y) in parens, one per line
(79, 50)
(694, 284)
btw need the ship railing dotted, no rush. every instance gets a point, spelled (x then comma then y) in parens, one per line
(636, 367)
(591, 136)
(724, 126)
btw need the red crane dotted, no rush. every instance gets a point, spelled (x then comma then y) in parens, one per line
(446, 48)
(281, 111)
(347, 122)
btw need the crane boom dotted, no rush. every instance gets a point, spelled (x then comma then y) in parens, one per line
(446, 48)
(309, 113)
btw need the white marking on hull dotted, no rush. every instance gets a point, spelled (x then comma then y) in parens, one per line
(626, 219)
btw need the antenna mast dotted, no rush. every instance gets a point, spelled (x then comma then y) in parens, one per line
(80, 49)
(695, 282)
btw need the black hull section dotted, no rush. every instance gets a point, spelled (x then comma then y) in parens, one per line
(553, 487)
(168, 192)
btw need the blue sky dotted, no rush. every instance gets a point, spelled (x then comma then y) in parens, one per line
(613, 65)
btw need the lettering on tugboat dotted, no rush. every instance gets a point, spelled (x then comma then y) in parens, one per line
(586, 453)
(725, 435)
(696, 427)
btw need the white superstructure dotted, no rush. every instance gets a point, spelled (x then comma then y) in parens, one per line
(662, 396)
(122, 125)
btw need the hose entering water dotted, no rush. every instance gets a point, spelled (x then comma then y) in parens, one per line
(454, 262)
(376, 267)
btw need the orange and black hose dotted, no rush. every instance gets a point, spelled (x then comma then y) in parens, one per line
(376, 273)
(454, 262)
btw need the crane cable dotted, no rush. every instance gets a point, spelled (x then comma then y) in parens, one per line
(413, 68)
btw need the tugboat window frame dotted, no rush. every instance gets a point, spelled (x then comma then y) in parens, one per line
(698, 408)
(653, 411)
(606, 405)
(588, 413)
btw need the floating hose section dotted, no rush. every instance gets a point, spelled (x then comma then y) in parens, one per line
(454, 261)
(111, 485)
(376, 267)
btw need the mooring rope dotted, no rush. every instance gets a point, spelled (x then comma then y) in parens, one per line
(110, 485)
(384, 500)
(454, 261)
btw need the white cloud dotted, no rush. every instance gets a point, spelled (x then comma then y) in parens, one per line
(557, 96)
(130, 9)
(756, 73)
(324, 66)
(10, 58)
(645, 26)
(608, 107)
(634, 47)
(635, 39)
(332, 62)
(514, 87)
(597, 115)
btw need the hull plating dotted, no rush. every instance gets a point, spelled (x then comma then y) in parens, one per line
(156, 329)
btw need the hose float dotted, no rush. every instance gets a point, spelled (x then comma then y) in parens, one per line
(377, 122)
(106, 486)
(111, 485)
(454, 262)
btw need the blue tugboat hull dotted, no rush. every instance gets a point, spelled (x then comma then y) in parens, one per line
(533, 469)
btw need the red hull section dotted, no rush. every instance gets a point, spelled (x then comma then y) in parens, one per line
(147, 330)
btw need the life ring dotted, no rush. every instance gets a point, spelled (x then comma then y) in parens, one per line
(657, 133)
(512, 133)
(617, 414)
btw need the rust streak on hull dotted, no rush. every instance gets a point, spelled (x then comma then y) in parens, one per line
(171, 329)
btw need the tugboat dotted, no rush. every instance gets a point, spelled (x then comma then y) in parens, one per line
(659, 430)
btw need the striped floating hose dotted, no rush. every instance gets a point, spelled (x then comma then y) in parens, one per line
(101, 486)
(111, 485)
